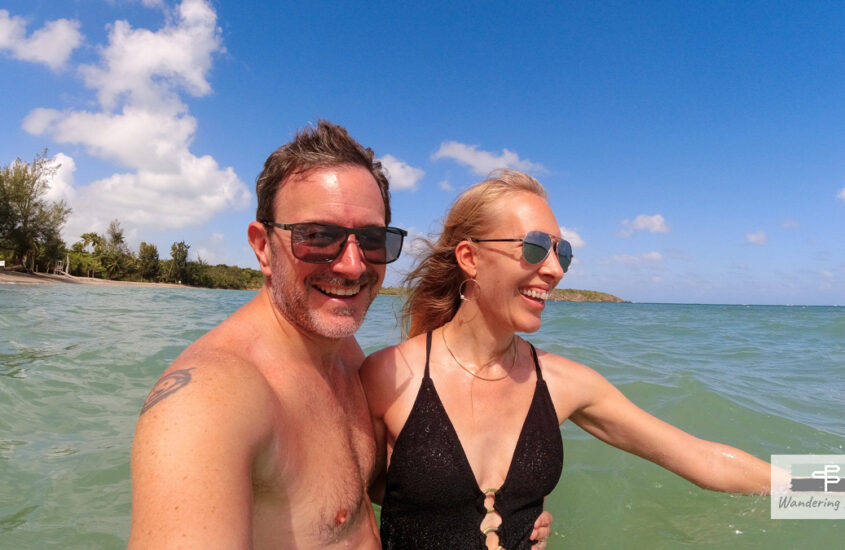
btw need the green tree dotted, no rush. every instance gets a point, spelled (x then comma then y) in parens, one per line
(179, 266)
(148, 261)
(116, 259)
(28, 221)
(96, 241)
(86, 254)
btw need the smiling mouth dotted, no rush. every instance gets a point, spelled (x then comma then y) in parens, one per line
(535, 294)
(339, 291)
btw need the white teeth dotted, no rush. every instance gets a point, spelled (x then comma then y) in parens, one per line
(533, 293)
(341, 291)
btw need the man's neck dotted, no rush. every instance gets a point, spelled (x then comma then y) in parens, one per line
(320, 352)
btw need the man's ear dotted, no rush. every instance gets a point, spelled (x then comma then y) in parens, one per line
(466, 253)
(259, 240)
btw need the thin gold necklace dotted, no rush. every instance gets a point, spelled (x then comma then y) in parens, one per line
(474, 375)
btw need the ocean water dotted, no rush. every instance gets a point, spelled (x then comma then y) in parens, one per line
(76, 362)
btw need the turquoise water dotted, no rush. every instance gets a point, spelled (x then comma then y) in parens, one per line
(77, 361)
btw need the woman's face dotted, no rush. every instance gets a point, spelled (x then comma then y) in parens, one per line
(513, 292)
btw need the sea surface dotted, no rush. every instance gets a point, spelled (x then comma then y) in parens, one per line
(77, 361)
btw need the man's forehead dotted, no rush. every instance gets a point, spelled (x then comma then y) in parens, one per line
(329, 190)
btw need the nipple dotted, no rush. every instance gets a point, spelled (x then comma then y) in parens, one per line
(340, 517)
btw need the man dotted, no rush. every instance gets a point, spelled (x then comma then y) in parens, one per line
(258, 435)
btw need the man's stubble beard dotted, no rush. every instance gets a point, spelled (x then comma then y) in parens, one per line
(290, 296)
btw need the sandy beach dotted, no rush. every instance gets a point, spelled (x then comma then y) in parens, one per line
(16, 277)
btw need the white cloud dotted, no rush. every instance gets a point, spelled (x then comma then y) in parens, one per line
(51, 45)
(648, 257)
(400, 174)
(145, 127)
(484, 162)
(643, 222)
(758, 239)
(572, 236)
(61, 184)
(446, 186)
(841, 194)
(137, 138)
(148, 67)
(792, 224)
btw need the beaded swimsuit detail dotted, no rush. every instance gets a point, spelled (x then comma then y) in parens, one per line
(432, 499)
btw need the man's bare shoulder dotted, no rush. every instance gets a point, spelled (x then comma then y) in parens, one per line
(221, 368)
(207, 427)
(205, 376)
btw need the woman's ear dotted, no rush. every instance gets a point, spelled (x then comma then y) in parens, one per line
(466, 253)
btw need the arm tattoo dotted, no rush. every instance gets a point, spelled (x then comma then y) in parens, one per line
(166, 386)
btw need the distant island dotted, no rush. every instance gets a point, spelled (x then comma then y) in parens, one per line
(558, 295)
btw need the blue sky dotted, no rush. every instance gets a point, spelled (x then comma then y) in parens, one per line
(693, 151)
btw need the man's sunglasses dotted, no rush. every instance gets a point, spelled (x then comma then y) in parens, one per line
(536, 246)
(322, 243)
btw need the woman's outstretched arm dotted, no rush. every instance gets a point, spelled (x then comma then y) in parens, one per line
(602, 410)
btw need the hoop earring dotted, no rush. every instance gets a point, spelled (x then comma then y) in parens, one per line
(461, 288)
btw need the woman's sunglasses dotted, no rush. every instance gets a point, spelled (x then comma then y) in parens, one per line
(536, 246)
(322, 243)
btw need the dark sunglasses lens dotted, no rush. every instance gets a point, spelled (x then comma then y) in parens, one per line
(381, 245)
(564, 255)
(535, 247)
(317, 243)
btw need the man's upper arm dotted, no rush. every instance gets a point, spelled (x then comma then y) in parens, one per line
(192, 457)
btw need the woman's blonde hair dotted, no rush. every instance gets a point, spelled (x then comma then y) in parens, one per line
(434, 285)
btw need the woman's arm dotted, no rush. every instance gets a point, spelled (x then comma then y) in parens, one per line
(603, 411)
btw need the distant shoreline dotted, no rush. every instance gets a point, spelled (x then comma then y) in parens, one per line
(558, 295)
(17, 277)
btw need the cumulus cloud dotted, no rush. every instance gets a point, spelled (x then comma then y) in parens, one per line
(484, 162)
(144, 126)
(61, 183)
(572, 236)
(446, 186)
(51, 45)
(841, 194)
(648, 257)
(643, 222)
(792, 224)
(401, 174)
(758, 238)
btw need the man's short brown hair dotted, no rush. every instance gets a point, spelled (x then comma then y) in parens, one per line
(313, 147)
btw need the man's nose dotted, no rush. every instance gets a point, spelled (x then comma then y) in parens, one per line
(351, 262)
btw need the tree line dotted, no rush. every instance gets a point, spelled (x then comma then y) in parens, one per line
(30, 228)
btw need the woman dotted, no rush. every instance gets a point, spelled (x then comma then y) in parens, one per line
(467, 414)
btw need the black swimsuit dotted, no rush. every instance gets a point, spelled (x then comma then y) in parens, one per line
(432, 499)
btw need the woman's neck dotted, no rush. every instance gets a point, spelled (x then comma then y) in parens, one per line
(475, 341)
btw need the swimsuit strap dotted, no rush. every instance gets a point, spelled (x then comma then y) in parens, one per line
(536, 361)
(427, 352)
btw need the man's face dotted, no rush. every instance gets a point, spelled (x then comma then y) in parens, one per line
(328, 300)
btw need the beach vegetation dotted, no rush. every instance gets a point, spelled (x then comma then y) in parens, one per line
(30, 224)
(178, 269)
(30, 240)
(149, 265)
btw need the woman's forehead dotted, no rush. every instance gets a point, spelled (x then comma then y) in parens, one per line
(521, 212)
